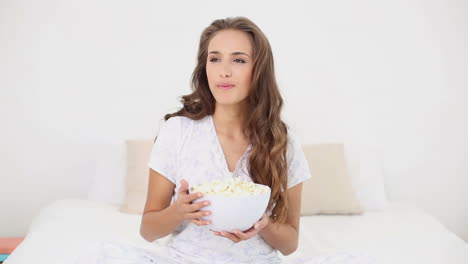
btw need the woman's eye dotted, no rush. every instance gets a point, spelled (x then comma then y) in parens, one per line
(236, 60)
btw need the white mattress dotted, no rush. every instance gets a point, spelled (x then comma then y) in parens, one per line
(400, 234)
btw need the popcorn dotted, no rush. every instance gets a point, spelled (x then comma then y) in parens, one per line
(230, 187)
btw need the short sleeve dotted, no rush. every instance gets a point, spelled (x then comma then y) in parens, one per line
(165, 149)
(298, 167)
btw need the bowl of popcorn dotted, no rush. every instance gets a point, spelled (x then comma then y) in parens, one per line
(235, 204)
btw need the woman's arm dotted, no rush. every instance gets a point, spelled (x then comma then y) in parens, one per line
(285, 237)
(159, 224)
(159, 218)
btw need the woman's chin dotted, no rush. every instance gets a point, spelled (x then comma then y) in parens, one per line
(229, 101)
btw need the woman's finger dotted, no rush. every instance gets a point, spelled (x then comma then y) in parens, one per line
(251, 232)
(196, 215)
(188, 198)
(200, 222)
(243, 236)
(263, 222)
(264, 218)
(197, 206)
(183, 189)
(233, 237)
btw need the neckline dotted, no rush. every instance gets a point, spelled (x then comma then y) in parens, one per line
(220, 149)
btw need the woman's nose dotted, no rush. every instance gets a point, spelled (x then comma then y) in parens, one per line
(224, 75)
(226, 72)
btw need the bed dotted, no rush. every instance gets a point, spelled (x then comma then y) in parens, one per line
(357, 221)
(399, 234)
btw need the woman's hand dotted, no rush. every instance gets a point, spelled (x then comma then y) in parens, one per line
(238, 236)
(188, 210)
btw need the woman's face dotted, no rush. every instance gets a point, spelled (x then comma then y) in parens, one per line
(230, 62)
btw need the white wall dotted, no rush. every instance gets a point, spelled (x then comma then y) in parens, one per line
(77, 78)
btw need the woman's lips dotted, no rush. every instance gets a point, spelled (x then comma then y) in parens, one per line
(225, 86)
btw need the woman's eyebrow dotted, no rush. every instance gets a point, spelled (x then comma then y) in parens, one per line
(234, 53)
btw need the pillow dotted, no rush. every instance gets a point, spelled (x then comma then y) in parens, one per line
(366, 171)
(329, 191)
(138, 154)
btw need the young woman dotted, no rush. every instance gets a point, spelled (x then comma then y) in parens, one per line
(229, 126)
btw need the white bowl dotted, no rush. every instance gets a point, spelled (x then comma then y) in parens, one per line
(234, 212)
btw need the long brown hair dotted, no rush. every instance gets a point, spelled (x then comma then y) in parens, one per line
(268, 133)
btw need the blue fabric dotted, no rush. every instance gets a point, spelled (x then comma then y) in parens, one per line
(4, 256)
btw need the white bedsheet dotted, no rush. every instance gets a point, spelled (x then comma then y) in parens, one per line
(401, 234)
